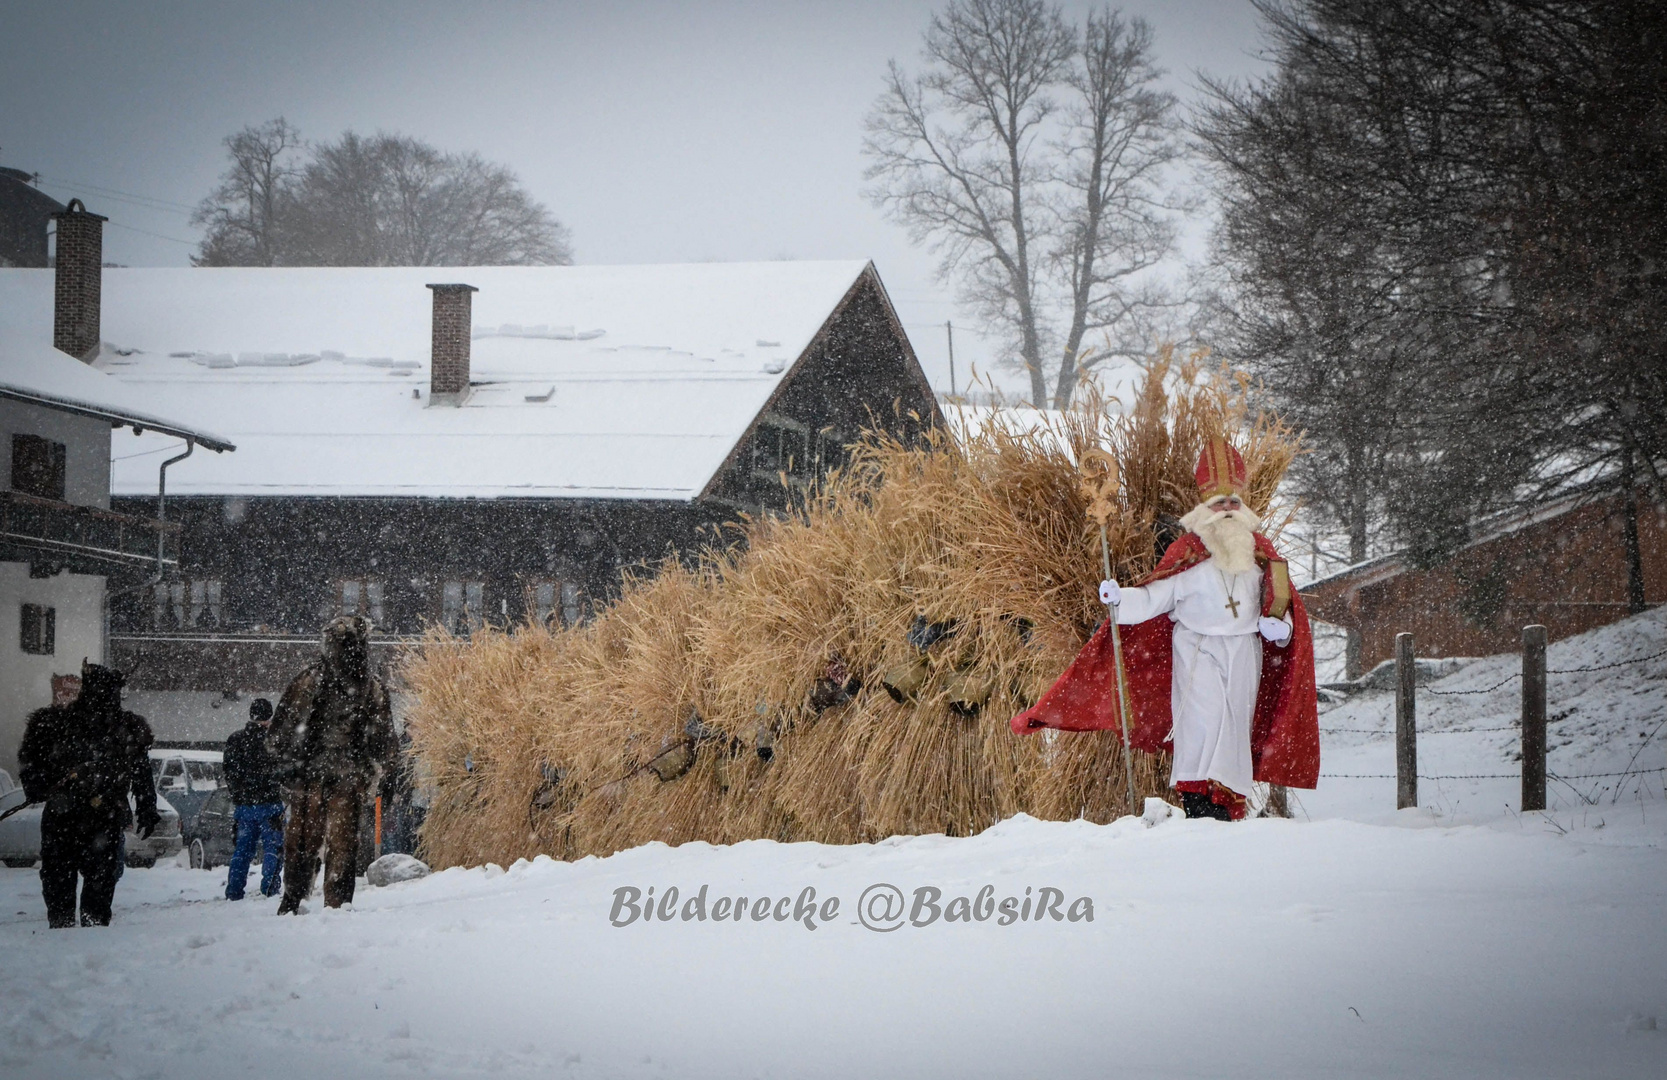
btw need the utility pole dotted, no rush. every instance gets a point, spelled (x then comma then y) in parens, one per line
(949, 329)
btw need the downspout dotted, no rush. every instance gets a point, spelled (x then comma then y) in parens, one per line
(161, 545)
(162, 503)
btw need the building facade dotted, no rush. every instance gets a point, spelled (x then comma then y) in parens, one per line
(583, 423)
(25, 215)
(1562, 565)
(63, 551)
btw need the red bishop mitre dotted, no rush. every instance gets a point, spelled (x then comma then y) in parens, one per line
(1220, 470)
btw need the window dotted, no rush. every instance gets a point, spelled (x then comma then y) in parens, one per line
(40, 627)
(203, 608)
(545, 611)
(205, 775)
(556, 603)
(359, 596)
(185, 605)
(38, 466)
(172, 776)
(463, 606)
(783, 445)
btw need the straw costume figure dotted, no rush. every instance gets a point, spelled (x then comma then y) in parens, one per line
(1220, 660)
(332, 738)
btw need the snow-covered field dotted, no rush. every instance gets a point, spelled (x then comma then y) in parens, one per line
(1460, 939)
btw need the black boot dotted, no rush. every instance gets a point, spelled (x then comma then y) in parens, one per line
(1198, 804)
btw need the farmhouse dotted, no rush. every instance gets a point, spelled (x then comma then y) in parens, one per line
(1562, 564)
(25, 211)
(64, 554)
(462, 446)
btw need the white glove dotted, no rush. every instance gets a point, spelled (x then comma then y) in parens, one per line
(1110, 593)
(1277, 631)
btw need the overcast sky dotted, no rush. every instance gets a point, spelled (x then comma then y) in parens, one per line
(657, 132)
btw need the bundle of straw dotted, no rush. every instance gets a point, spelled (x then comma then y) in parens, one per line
(745, 694)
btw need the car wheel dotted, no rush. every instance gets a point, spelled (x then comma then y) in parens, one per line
(199, 860)
(20, 864)
(141, 862)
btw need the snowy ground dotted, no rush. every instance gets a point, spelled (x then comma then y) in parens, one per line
(1457, 940)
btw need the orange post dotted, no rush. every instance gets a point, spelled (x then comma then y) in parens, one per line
(379, 826)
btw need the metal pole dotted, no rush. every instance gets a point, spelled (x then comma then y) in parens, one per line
(1406, 724)
(1533, 717)
(1122, 682)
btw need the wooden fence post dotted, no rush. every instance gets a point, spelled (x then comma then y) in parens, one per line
(1406, 724)
(1533, 717)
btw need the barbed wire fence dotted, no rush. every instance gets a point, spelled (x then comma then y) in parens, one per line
(1531, 728)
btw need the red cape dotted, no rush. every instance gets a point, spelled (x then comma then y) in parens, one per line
(1285, 732)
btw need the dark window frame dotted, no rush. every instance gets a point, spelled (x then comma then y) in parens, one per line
(38, 630)
(39, 466)
(370, 599)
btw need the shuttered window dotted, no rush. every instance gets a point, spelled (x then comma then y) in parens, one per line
(39, 631)
(38, 466)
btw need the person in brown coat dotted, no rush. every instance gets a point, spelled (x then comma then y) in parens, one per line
(332, 737)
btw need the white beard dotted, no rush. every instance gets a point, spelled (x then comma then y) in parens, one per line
(1229, 537)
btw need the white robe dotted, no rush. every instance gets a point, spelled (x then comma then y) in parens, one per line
(1218, 667)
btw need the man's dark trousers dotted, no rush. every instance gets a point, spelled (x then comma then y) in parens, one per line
(88, 846)
(261, 822)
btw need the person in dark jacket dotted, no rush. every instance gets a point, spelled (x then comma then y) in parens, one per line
(83, 760)
(252, 782)
(399, 792)
(333, 737)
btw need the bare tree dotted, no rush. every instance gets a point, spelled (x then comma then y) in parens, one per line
(1116, 214)
(244, 215)
(1030, 155)
(392, 200)
(337, 216)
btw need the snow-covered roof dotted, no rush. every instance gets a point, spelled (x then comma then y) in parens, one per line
(589, 381)
(38, 373)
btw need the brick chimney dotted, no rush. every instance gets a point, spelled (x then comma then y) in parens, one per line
(448, 370)
(80, 276)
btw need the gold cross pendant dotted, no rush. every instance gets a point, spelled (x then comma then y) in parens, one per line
(1232, 603)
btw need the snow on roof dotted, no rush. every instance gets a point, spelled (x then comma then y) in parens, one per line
(40, 374)
(588, 381)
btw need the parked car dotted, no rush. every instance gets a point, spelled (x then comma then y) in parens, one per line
(20, 839)
(20, 834)
(212, 835)
(187, 778)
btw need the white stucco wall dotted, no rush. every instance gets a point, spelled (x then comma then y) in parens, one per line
(77, 599)
(26, 679)
(86, 448)
(210, 716)
(194, 715)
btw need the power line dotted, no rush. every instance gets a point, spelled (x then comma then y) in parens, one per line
(159, 236)
(143, 200)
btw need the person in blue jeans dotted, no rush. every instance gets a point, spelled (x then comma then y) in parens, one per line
(252, 782)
